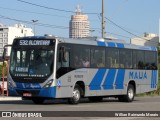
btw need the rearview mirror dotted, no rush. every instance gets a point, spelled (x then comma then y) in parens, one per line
(5, 51)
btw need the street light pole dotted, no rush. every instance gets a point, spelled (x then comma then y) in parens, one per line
(34, 22)
(103, 21)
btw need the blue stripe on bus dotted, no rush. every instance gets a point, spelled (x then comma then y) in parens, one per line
(101, 43)
(120, 45)
(111, 44)
(153, 48)
(155, 78)
(120, 79)
(97, 80)
(151, 78)
(154, 86)
(108, 83)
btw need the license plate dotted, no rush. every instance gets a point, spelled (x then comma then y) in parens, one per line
(27, 94)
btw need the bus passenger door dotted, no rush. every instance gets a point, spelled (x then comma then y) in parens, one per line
(63, 60)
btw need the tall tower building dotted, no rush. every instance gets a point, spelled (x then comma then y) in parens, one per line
(79, 25)
(8, 33)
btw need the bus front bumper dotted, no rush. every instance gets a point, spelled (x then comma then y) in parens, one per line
(43, 92)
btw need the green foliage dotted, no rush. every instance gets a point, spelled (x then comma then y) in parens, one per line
(5, 69)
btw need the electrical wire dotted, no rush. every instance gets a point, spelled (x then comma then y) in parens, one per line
(61, 27)
(18, 10)
(39, 13)
(55, 26)
(123, 28)
(74, 12)
(45, 6)
(50, 8)
(39, 24)
(118, 35)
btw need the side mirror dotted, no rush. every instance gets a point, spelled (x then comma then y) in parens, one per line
(5, 51)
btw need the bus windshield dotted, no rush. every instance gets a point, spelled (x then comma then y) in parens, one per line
(31, 61)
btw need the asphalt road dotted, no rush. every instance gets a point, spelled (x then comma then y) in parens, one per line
(139, 104)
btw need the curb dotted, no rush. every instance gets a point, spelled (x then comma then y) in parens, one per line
(5, 98)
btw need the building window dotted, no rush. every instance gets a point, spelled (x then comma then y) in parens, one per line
(1, 34)
(1, 40)
(1, 45)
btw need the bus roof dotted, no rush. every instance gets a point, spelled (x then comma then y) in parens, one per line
(106, 43)
(94, 41)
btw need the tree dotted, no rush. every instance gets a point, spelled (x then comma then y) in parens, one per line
(5, 69)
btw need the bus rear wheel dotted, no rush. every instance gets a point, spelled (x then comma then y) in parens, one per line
(76, 95)
(129, 97)
(38, 100)
(130, 93)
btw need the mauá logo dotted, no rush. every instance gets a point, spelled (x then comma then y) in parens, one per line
(138, 75)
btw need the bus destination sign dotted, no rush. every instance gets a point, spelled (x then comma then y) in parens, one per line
(35, 42)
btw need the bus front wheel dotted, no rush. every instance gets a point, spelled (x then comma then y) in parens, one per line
(76, 95)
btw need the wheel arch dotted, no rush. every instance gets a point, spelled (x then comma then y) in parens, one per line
(132, 82)
(81, 84)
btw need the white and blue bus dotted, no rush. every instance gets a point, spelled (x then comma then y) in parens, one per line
(44, 67)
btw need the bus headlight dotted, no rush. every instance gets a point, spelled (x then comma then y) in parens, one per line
(48, 84)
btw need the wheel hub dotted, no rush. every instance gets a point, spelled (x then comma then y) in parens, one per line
(76, 95)
(130, 94)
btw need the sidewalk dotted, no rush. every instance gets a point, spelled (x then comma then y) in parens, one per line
(8, 98)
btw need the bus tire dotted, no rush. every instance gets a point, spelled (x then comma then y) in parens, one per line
(38, 100)
(95, 99)
(76, 95)
(130, 94)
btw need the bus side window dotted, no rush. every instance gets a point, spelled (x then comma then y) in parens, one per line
(63, 57)
(109, 62)
(63, 61)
